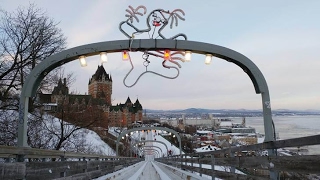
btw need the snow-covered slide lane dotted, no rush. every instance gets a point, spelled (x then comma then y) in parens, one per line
(176, 173)
(147, 172)
(124, 173)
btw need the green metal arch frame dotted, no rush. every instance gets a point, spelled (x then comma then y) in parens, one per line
(42, 69)
(153, 150)
(123, 133)
(154, 142)
(149, 146)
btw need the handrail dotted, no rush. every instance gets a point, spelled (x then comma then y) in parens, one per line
(295, 142)
(298, 166)
(10, 151)
(53, 164)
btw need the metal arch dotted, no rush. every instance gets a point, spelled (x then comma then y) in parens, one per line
(149, 146)
(123, 133)
(154, 150)
(153, 141)
(39, 72)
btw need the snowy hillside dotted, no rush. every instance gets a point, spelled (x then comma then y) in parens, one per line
(45, 131)
(91, 141)
(98, 146)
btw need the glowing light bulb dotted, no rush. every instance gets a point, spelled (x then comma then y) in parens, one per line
(125, 55)
(208, 59)
(83, 61)
(103, 57)
(187, 56)
(166, 55)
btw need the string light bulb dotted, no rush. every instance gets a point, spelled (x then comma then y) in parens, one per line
(166, 55)
(83, 61)
(208, 59)
(187, 56)
(103, 57)
(125, 55)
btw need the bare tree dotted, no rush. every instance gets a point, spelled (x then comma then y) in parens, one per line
(53, 78)
(70, 120)
(46, 131)
(27, 36)
(8, 124)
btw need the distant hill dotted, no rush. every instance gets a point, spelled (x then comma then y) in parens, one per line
(200, 110)
(246, 112)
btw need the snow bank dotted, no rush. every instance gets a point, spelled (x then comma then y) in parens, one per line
(97, 144)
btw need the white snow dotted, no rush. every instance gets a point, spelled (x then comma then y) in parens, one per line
(207, 148)
(175, 150)
(203, 132)
(138, 173)
(160, 172)
(97, 143)
(91, 139)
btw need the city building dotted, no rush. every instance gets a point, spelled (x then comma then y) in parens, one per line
(99, 94)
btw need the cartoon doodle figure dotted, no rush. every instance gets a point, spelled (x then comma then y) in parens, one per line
(132, 14)
(173, 16)
(157, 18)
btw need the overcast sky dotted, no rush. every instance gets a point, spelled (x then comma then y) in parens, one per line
(281, 37)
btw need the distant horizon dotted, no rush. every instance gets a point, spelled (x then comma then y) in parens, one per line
(221, 109)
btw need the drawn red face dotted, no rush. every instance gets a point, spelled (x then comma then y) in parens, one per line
(155, 23)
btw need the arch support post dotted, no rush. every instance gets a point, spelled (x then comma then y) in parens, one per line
(269, 129)
(23, 120)
(267, 118)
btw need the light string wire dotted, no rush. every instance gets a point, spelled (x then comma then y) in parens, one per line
(152, 72)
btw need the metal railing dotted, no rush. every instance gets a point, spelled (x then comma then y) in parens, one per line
(31, 163)
(226, 163)
(233, 163)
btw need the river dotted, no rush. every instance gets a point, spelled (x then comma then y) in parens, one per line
(289, 127)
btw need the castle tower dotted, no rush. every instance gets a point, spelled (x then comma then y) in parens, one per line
(128, 102)
(138, 109)
(100, 85)
(60, 92)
